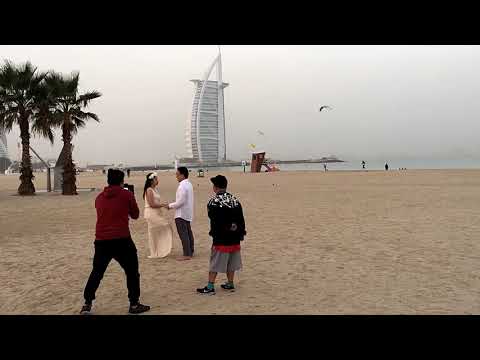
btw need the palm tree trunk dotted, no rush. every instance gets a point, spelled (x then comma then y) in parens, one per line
(69, 186)
(26, 175)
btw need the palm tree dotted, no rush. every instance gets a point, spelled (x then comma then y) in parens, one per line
(22, 95)
(66, 107)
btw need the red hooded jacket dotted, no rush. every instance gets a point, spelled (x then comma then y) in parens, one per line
(114, 204)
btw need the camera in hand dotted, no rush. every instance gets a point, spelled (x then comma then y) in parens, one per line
(129, 187)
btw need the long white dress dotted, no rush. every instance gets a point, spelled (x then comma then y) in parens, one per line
(159, 229)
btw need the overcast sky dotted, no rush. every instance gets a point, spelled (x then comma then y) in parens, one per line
(388, 102)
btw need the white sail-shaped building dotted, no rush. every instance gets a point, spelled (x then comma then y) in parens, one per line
(205, 130)
(4, 158)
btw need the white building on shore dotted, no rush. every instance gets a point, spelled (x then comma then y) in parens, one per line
(205, 130)
(4, 157)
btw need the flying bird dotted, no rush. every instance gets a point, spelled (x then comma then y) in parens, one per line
(324, 107)
(260, 132)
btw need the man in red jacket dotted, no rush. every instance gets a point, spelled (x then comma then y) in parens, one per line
(113, 241)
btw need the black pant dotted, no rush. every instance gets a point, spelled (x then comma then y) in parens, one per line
(125, 253)
(185, 233)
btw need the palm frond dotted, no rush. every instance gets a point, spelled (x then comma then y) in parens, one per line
(71, 83)
(41, 128)
(86, 115)
(10, 111)
(24, 88)
(53, 79)
(26, 76)
(88, 96)
(55, 85)
(7, 74)
(93, 116)
(8, 121)
(58, 104)
(78, 122)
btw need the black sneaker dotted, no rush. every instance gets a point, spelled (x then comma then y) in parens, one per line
(206, 291)
(86, 309)
(138, 309)
(228, 287)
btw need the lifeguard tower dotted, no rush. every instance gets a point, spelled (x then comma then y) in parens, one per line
(257, 161)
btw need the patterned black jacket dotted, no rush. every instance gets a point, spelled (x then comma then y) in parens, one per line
(227, 225)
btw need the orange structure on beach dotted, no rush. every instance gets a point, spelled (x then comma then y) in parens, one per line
(258, 159)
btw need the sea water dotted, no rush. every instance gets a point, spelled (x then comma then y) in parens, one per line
(409, 164)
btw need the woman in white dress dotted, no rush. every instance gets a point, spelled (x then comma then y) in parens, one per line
(159, 230)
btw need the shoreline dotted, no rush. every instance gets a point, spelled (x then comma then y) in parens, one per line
(228, 169)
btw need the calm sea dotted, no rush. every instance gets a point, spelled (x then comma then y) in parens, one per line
(375, 165)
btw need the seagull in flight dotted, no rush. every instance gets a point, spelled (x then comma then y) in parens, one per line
(260, 132)
(324, 107)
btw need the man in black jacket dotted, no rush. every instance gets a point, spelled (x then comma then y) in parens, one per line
(227, 229)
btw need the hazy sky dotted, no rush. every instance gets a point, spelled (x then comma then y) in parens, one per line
(388, 101)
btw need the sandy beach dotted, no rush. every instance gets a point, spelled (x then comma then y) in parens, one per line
(397, 242)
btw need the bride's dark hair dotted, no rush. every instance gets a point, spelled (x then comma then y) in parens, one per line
(148, 183)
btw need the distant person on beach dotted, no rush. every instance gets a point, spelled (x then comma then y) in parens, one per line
(325, 167)
(128, 172)
(386, 166)
(227, 229)
(114, 205)
(159, 230)
(363, 165)
(183, 206)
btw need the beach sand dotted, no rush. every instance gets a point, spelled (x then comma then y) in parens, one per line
(397, 242)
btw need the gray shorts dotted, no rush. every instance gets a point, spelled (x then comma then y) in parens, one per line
(221, 262)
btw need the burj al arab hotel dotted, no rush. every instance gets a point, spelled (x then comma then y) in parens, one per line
(205, 130)
(4, 158)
